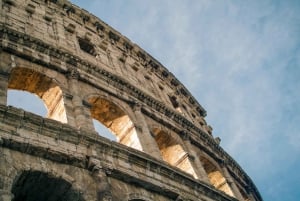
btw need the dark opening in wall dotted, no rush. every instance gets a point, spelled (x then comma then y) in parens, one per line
(172, 151)
(27, 101)
(174, 101)
(215, 176)
(115, 120)
(103, 130)
(46, 88)
(86, 46)
(34, 185)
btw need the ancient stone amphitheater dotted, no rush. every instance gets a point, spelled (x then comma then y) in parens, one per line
(83, 69)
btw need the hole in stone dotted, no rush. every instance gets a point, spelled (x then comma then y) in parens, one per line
(27, 101)
(44, 87)
(87, 46)
(115, 120)
(175, 103)
(172, 151)
(215, 176)
(103, 130)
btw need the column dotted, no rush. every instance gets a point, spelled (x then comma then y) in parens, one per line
(99, 175)
(81, 111)
(231, 183)
(196, 163)
(68, 104)
(3, 88)
(147, 141)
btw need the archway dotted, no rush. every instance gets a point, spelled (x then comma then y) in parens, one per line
(45, 88)
(103, 130)
(27, 101)
(215, 176)
(172, 151)
(116, 120)
(35, 185)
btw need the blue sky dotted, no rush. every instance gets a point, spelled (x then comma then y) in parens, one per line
(241, 61)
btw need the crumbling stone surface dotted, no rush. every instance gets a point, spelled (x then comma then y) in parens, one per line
(83, 69)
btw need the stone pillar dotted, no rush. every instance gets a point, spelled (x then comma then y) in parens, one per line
(3, 88)
(6, 195)
(69, 109)
(81, 111)
(231, 183)
(196, 163)
(103, 186)
(147, 141)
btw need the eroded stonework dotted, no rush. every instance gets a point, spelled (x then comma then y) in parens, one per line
(83, 69)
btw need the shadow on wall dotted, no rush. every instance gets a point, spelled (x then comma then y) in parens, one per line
(35, 185)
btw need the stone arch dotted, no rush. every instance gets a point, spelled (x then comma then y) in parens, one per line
(44, 87)
(36, 185)
(215, 175)
(172, 150)
(16, 163)
(116, 116)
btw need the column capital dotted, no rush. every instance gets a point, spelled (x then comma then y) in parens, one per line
(136, 106)
(95, 166)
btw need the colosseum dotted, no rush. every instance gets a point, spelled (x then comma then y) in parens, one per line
(84, 70)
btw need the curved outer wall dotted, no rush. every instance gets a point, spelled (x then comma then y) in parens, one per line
(82, 69)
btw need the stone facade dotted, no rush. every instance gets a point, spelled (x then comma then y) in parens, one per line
(83, 69)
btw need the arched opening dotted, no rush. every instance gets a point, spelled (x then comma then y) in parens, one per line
(116, 120)
(26, 100)
(44, 87)
(35, 185)
(172, 152)
(103, 130)
(215, 176)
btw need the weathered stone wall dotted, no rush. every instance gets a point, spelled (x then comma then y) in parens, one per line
(32, 143)
(83, 69)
